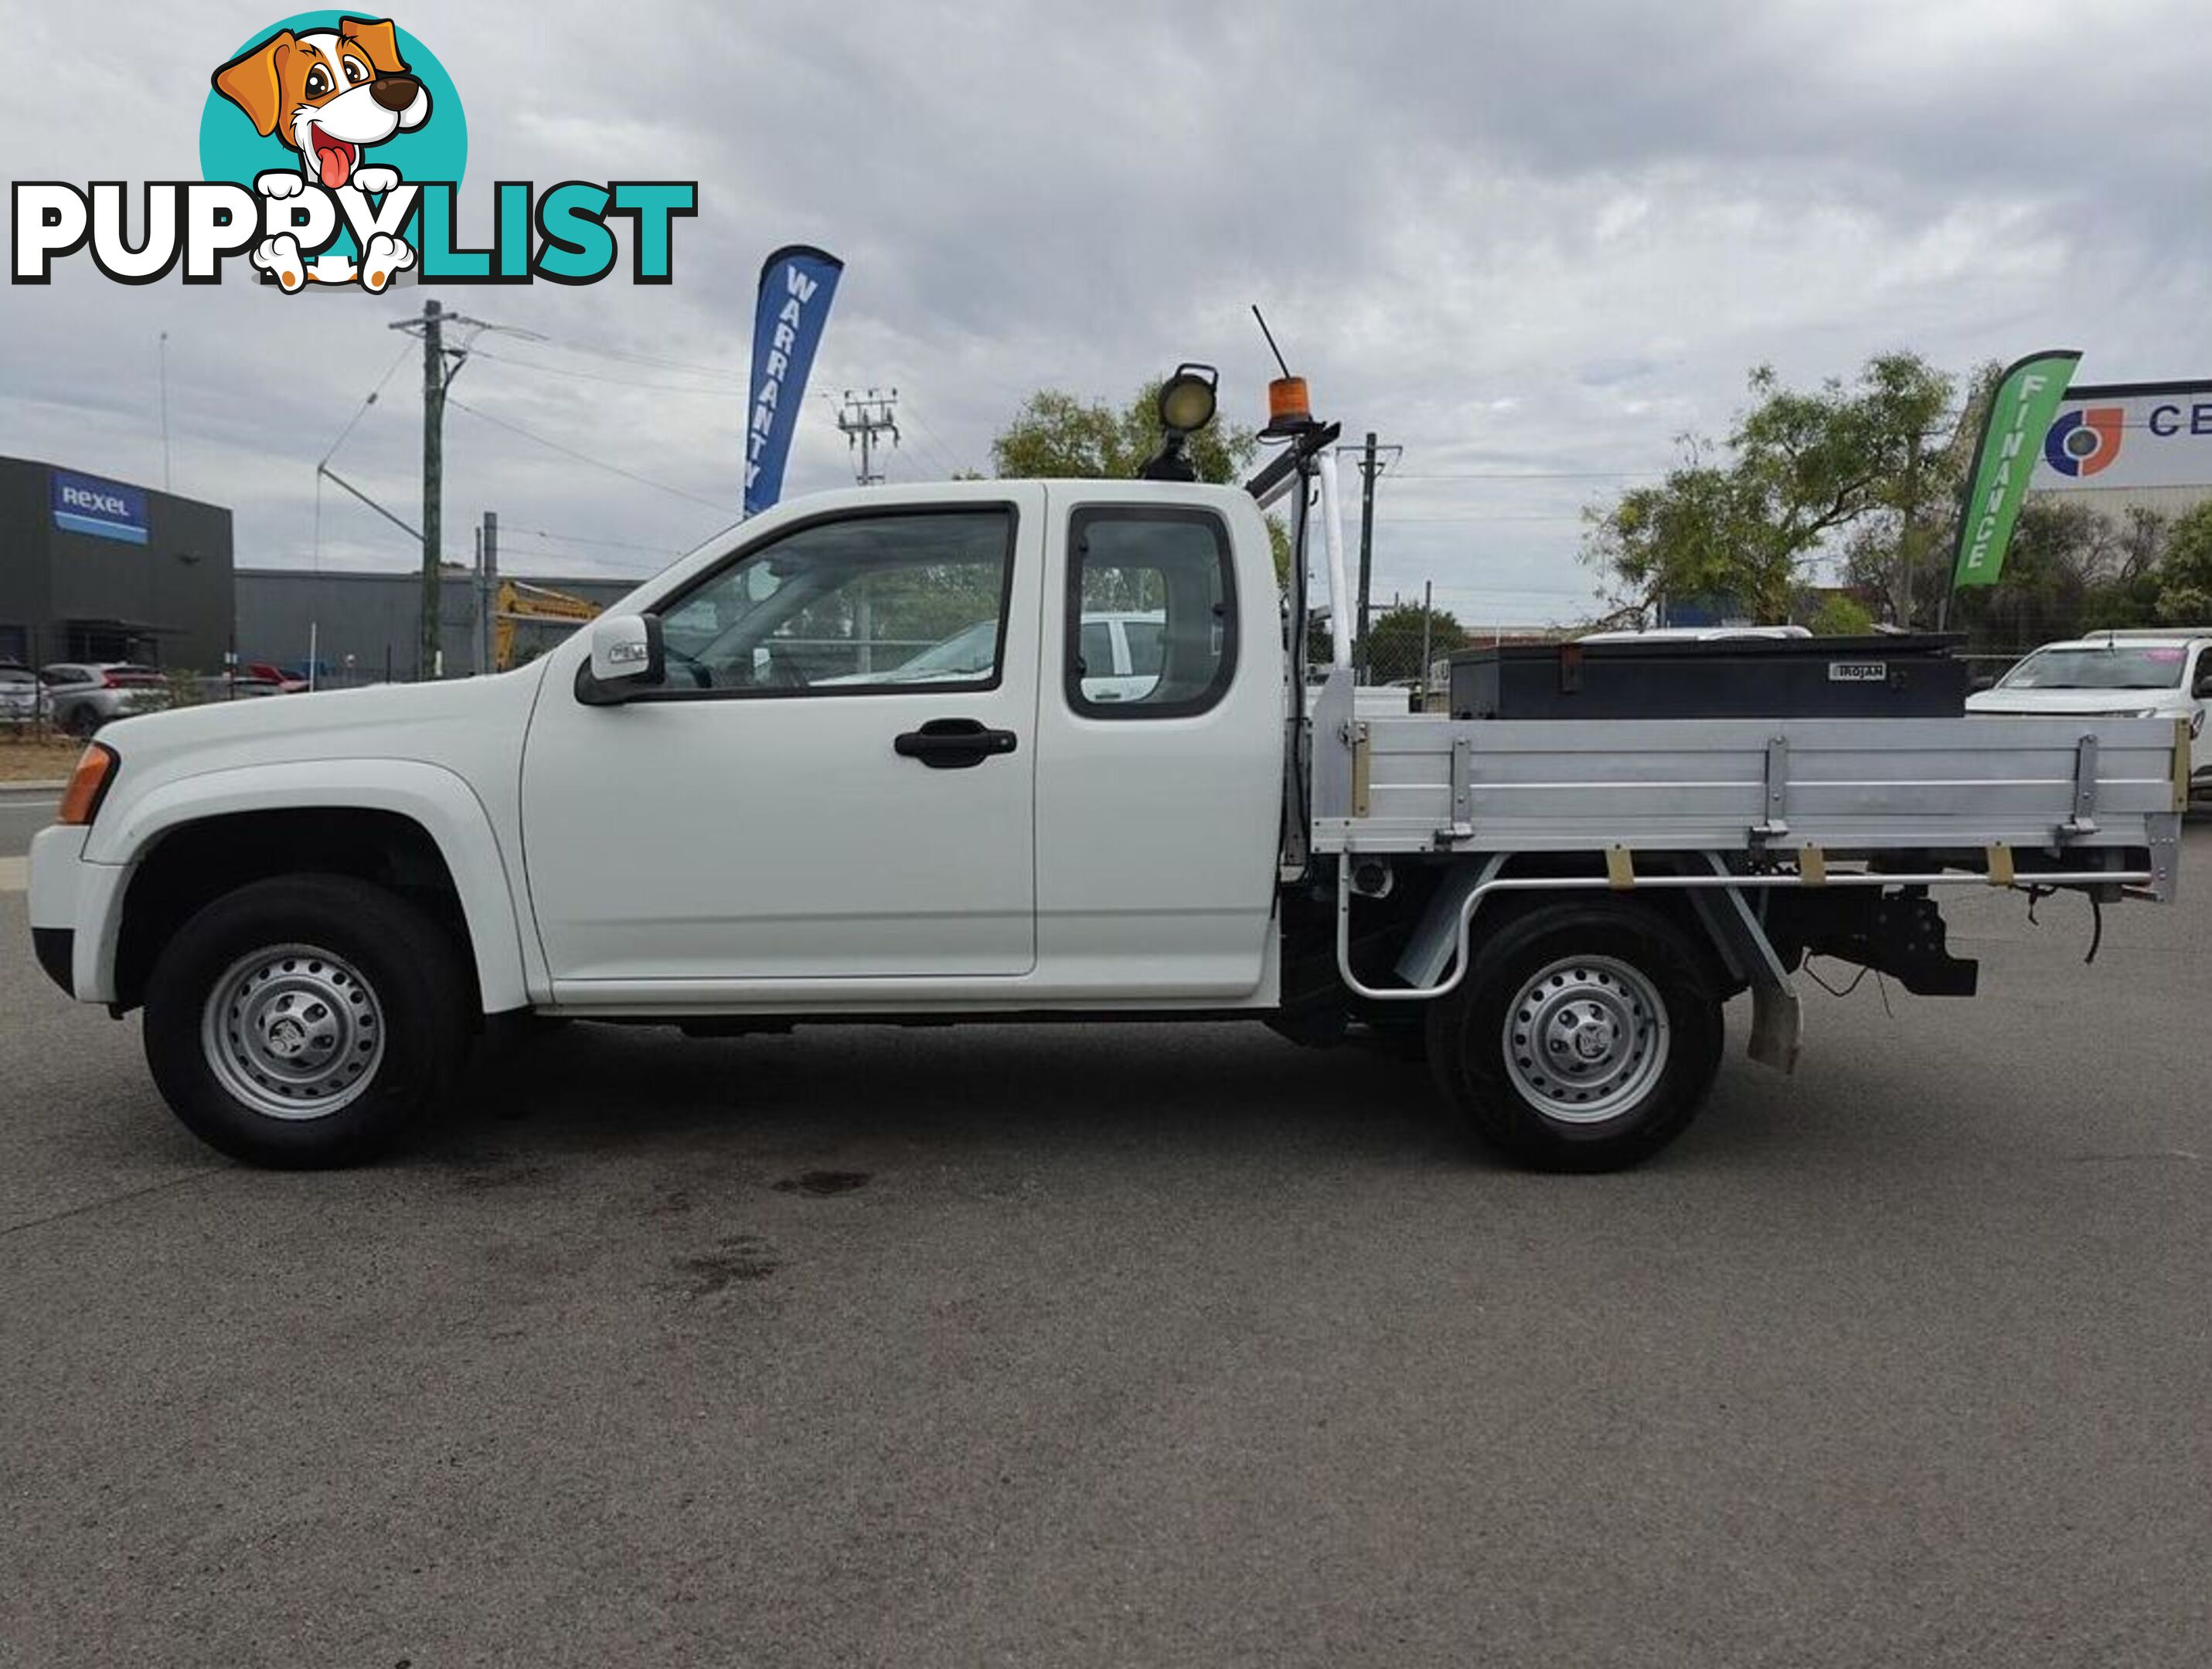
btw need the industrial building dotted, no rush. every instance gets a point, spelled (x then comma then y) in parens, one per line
(93, 569)
(365, 627)
(2122, 446)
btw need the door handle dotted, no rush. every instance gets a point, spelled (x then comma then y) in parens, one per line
(952, 745)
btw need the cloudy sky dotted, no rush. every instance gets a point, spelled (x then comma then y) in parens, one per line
(1532, 245)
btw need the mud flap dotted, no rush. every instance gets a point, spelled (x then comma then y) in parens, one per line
(1777, 1025)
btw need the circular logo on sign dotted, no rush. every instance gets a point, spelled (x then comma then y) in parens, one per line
(2080, 443)
(326, 94)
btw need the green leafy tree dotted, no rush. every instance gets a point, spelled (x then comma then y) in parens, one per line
(1056, 433)
(2068, 569)
(1059, 434)
(1839, 616)
(1393, 640)
(2184, 578)
(1801, 467)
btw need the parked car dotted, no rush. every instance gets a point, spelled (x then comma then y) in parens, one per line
(2118, 675)
(287, 683)
(19, 695)
(1120, 657)
(82, 695)
(226, 686)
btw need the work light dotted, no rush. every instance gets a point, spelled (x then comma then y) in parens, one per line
(1186, 406)
(1187, 399)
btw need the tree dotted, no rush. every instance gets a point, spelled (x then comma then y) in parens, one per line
(2184, 578)
(1741, 523)
(2068, 570)
(1393, 640)
(1839, 616)
(1056, 433)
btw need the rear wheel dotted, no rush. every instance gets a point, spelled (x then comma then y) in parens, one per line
(1584, 1039)
(306, 1021)
(82, 723)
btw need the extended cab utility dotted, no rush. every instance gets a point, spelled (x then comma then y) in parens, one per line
(727, 805)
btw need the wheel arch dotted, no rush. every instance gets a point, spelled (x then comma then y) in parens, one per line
(1428, 946)
(415, 826)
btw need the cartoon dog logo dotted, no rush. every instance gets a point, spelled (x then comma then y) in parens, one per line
(332, 94)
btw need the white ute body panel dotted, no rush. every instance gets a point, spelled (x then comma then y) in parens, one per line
(442, 754)
(775, 855)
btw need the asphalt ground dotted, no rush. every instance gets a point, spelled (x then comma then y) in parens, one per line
(23, 814)
(1136, 1346)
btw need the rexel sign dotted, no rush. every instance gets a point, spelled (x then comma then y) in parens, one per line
(104, 509)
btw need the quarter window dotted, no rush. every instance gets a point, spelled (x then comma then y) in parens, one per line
(1160, 582)
(865, 604)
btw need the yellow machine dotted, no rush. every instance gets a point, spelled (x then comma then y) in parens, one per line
(521, 602)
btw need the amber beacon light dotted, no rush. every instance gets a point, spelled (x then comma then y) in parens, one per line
(1290, 407)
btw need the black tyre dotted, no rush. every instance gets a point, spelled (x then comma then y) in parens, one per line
(307, 1021)
(1584, 1039)
(82, 723)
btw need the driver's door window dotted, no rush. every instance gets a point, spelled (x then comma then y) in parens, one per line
(867, 604)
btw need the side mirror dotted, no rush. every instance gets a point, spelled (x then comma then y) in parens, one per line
(626, 653)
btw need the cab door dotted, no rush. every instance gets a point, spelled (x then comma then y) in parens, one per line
(1159, 784)
(832, 780)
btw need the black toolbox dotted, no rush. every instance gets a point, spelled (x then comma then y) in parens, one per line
(1899, 677)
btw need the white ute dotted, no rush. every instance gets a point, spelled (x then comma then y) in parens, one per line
(694, 812)
(2142, 673)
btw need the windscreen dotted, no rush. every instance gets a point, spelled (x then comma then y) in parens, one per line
(2123, 667)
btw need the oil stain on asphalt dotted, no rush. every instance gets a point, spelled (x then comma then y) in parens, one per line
(821, 1183)
(735, 1258)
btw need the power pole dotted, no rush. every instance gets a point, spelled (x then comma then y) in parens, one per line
(1370, 466)
(164, 353)
(1906, 540)
(1428, 616)
(487, 588)
(862, 418)
(440, 365)
(434, 378)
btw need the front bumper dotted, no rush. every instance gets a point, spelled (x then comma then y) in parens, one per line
(73, 910)
(55, 948)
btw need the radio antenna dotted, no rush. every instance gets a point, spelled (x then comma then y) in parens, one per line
(1270, 335)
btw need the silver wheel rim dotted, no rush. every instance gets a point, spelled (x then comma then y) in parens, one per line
(1586, 1039)
(292, 1032)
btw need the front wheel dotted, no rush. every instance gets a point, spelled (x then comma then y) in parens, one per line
(1585, 1038)
(306, 1021)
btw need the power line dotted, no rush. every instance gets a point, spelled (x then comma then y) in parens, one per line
(361, 411)
(694, 368)
(1523, 474)
(609, 544)
(943, 452)
(1401, 521)
(601, 377)
(595, 463)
